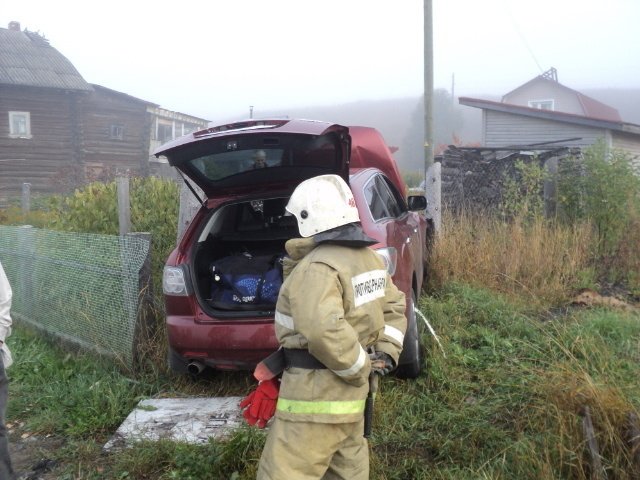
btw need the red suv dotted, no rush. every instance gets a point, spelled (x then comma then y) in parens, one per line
(247, 171)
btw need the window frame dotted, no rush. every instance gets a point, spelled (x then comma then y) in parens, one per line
(13, 115)
(539, 104)
(116, 132)
(164, 127)
(381, 186)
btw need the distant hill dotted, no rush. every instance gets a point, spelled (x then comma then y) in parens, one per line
(395, 118)
(390, 116)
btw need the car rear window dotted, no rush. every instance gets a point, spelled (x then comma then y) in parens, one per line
(227, 157)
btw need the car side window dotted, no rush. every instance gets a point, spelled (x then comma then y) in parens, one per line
(374, 201)
(381, 199)
(400, 205)
(391, 204)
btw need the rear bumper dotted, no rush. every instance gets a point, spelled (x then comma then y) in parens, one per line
(237, 345)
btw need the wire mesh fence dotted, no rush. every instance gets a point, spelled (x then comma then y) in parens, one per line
(82, 288)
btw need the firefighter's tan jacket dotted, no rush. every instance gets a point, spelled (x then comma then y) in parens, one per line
(335, 302)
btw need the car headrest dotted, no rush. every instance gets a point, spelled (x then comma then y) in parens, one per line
(274, 207)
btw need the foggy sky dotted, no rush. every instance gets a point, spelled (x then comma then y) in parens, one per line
(214, 59)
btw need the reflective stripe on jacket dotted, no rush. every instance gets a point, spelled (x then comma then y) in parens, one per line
(335, 302)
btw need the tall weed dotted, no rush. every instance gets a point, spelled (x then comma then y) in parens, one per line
(40, 213)
(591, 361)
(531, 259)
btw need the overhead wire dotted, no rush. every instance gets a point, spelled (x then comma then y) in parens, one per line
(516, 27)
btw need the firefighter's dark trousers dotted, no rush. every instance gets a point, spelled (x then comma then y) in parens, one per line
(6, 471)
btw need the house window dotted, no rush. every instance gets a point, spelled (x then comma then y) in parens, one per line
(165, 132)
(116, 132)
(541, 104)
(19, 125)
(189, 128)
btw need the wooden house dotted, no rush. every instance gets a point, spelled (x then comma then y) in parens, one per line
(57, 131)
(40, 108)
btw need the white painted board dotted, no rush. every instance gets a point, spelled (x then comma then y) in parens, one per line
(190, 420)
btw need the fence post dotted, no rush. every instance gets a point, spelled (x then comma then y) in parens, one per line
(550, 187)
(124, 206)
(433, 191)
(26, 198)
(26, 270)
(144, 328)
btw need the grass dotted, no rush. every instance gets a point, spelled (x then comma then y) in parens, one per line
(504, 403)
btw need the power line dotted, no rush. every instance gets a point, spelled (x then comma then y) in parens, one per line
(521, 35)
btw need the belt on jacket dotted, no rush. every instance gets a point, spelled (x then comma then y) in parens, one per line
(299, 358)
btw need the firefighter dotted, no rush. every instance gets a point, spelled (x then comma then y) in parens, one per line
(336, 305)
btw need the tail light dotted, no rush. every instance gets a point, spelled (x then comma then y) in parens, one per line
(174, 281)
(390, 257)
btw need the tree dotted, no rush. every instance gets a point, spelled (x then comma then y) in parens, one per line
(447, 122)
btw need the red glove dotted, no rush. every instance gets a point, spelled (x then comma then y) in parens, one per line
(260, 405)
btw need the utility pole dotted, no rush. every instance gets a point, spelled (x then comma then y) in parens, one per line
(453, 89)
(432, 183)
(428, 83)
(250, 111)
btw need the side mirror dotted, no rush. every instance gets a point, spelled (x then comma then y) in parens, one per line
(417, 203)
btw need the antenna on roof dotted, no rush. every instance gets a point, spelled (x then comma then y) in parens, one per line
(551, 74)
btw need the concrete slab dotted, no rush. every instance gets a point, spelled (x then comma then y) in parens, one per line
(191, 420)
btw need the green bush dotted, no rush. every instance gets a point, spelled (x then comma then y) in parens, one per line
(603, 187)
(523, 194)
(154, 209)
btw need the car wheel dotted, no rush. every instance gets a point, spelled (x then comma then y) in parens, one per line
(412, 357)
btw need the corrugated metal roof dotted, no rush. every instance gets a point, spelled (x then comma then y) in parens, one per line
(597, 109)
(551, 115)
(27, 59)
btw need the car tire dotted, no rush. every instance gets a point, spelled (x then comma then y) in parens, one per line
(412, 358)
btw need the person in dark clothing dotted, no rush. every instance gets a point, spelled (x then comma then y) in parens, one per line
(6, 469)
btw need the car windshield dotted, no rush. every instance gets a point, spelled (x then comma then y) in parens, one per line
(229, 157)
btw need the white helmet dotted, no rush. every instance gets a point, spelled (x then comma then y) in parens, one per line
(322, 203)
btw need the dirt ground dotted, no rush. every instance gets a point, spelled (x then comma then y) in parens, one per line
(32, 455)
